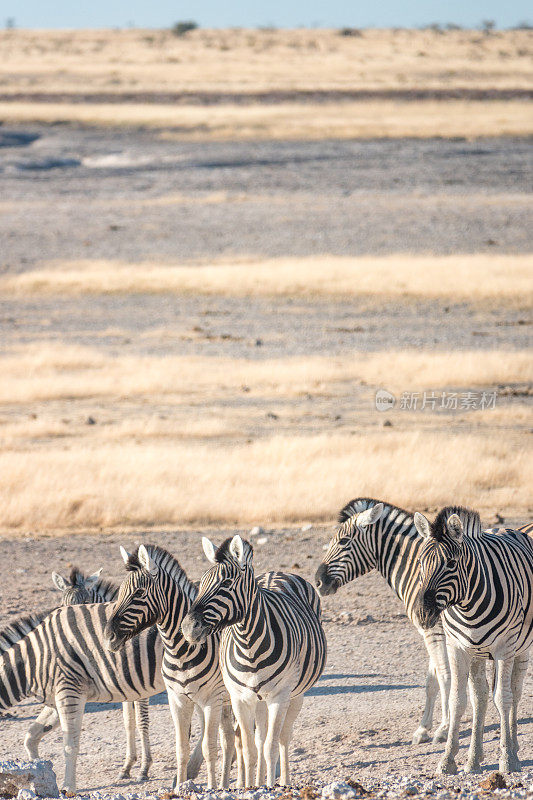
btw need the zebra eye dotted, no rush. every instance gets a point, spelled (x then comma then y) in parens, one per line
(452, 563)
(226, 583)
(344, 541)
(140, 592)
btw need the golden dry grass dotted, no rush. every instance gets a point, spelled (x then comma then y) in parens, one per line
(479, 277)
(368, 119)
(46, 372)
(281, 479)
(252, 60)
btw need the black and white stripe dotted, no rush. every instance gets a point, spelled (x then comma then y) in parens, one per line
(480, 585)
(64, 662)
(158, 592)
(273, 648)
(376, 535)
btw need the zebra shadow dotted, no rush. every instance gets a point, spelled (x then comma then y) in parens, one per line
(160, 699)
(344, 676)
(317, 691)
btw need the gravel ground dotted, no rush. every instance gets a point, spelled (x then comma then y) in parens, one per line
(356, 722)
(85, 191)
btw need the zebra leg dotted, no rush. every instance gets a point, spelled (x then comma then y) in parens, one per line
(517, 682)
(479, 695)
(261, 723)
(131, 750)
(460, 664)
(142, 720)
(286, 736)
(227, 744)
(277, 711)
(46, 721)
(432, 687)
(181, 709)
(70, 709)
(435, 642)
(503, 700)
(240, 757)
(209, 742)
(245, 716)
(195, 761)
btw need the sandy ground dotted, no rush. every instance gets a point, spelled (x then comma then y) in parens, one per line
(358, 719)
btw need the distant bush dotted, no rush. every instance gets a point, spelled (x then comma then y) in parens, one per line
(452, 26)
(350, 32)
(181, 28)
(524, 25)
(487, 26)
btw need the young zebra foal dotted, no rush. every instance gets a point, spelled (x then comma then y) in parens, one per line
(481, 585)
(273, 648)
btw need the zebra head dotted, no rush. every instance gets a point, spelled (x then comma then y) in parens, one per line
(225, 589)
(138, 604)
(442, 582)
(77, 588)
(349, 554)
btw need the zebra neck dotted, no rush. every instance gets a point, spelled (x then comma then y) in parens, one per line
(179, 597)
(252, 625)
(395, 544)
(474, 582)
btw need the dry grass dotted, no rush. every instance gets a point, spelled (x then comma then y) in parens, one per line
(367, 119)
(251, 60)
(467, 278)
(48, 372)
(282, 479)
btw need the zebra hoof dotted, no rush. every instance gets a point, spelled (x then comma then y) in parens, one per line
(472, 768)
(421, 735)
(447, 766)
(509, 765)
(124, 775)
(143, 776)
(441, 734)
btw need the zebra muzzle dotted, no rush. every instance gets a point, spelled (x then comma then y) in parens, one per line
(194, 628)
(325, 584)
(428, 610)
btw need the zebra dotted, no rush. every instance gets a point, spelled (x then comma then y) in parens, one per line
(79, 588)
(63, 662)
(480, 585)
(373, 534)
(158, 591)
(273, 648)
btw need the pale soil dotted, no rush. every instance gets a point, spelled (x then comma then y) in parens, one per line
(360, 716)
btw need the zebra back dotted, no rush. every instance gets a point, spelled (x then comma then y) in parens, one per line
(20, 627)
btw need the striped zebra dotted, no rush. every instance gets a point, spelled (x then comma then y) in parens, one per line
(63, 662)
(273, 649)
(158, 592)
(480, 585)
(76, 589)
(377, 535)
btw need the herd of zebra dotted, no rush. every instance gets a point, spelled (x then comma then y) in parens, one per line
(243, 650)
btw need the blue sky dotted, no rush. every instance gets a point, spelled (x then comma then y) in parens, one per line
(247, 13)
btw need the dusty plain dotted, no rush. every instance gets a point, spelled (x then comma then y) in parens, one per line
(200, 298)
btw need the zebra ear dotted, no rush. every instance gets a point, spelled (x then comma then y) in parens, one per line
(455, 528)
(147, 562)
(209, 549)
(59, 581)
(369, 516)
(92, 579)
(125, 555)
(236, 549)
(422, 525)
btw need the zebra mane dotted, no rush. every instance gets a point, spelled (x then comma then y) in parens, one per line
(133, 564)
(470, 519)
(102, 587)
(166, 562)
(359, 504)
(20, 628)
(223, 553)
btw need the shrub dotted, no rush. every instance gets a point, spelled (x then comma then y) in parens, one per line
(181, 28)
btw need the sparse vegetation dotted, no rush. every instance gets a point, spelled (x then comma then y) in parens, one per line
(181, 28)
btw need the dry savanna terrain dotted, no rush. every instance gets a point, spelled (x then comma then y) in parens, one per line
(264, 84)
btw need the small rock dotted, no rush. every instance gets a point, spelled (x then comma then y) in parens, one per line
(494, 781)
(308, 793)
(306, 527)
(90, 421)
(357, 787)
(36, 776)
(26, 794)
(257, 530)
(262, 540)
(387, 423)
